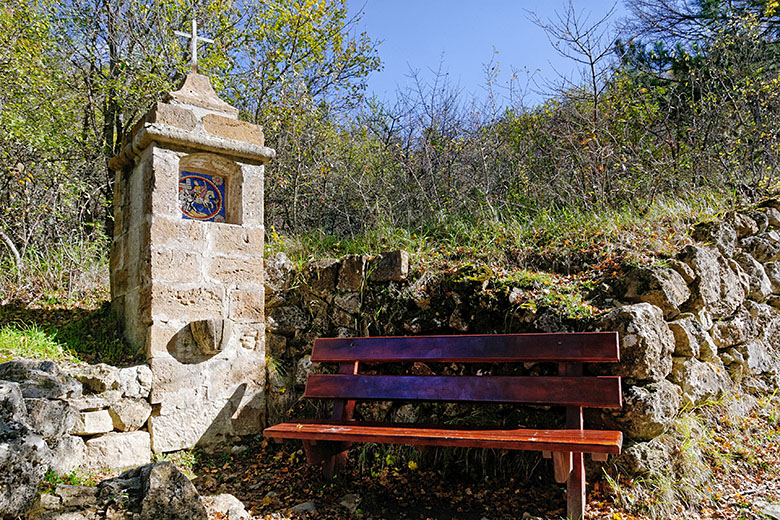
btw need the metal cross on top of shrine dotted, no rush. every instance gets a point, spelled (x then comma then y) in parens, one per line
(194, 40)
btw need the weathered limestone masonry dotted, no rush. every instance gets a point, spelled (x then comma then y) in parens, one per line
(187, 264)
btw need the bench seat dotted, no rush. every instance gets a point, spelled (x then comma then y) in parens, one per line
(578, 441)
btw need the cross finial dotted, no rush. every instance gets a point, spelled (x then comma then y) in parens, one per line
(194, 39)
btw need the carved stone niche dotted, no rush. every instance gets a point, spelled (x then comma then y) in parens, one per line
(212, 336)
(210, 188)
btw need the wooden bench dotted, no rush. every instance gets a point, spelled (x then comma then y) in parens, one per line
(328, 440)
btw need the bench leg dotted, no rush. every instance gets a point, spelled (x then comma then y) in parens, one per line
(332, 454)
(334, 465)
(575, 490)
(562, 466)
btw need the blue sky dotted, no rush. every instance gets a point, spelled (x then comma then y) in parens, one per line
(419, 34)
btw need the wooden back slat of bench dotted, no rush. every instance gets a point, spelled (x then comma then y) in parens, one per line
(590, 392)
(579, 347)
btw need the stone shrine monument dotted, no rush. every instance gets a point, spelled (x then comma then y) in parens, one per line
(187, 264)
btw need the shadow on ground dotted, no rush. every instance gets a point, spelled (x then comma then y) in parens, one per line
(273, 479)
(93, 335)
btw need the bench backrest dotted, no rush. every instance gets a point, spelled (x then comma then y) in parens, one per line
(569, 350)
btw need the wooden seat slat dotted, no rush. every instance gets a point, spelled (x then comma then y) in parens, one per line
(580, 347)
(589, 392)
(584, 441)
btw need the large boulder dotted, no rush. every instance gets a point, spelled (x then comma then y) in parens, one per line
(50, 417)
(24, 455)
(286, 320)
(736, 329)
(717, 233)
(154, 492)
(754, 358)
(653, 457)
(320, 276)
(389, 266)
(743, 225)
(279, 273)
(764, 248)
(225, 506)
(67, 454)
(118, 450)
(128, 415)
(660, 286)
(302, 371)
(772, 270)
(647, 411)
(40, 379)
(772, 217)
(92, 423)
(717, 287)
(135, 382)
(767, 322)
(352, 273)
(97, 378)
(646, 342)
(70, 503)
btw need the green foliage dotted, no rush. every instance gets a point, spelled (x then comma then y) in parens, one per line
(37, 123)
(76, 75)
(294, 52)
(30, 341)
(74, 478)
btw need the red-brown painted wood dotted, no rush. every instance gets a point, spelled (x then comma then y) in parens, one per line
(580, 441)
(342, 411)
(561, 466)
(575, 486)
(599, 392)
(554, 347)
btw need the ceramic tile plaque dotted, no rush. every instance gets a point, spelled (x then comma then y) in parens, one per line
(202, 196)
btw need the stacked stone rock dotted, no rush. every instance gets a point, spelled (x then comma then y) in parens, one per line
(91, 416)
(692, 328)
(150, 492)
(325, 299)
(47, 421)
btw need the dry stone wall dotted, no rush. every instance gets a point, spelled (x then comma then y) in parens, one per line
(692, 328)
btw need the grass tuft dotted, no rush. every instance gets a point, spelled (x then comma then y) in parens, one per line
(30, 341)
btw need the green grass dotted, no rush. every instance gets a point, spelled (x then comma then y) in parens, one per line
(75, 334)
(30, 341)
(531, 240)
(74, 478)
